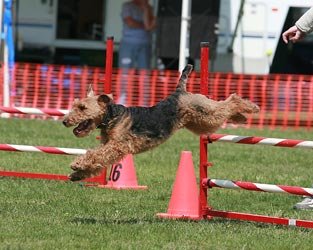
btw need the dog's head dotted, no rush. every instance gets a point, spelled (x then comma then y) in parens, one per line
(87, 113)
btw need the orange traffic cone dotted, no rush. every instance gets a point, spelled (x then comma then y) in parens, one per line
(184, 203)
(123, 175)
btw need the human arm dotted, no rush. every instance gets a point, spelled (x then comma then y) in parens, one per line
(149, 19)
(127, 16)
(132, 23)
(302, 27)
(305, 23)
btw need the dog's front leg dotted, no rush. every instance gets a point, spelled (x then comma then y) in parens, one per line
(95, 160)
(84, 162)
(84, 167)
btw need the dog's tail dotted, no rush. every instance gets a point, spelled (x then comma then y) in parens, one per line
(183, 78)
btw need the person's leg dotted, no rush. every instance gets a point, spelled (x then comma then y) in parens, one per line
(126, 56)
(144, 56)
(126, 61)
(144, 62)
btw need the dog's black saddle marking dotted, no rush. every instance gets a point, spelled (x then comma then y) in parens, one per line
(157, 121)
(154, 122)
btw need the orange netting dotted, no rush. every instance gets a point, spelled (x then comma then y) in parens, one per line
(285, 100)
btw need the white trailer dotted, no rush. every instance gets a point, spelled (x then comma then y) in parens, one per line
(248, 49)
(258, 34)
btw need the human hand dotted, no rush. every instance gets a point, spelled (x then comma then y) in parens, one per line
(144, 4)
(293, 34)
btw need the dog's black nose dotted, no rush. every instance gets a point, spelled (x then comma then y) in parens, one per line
(64, 123)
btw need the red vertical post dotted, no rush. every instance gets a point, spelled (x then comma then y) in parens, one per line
(203, 169)
(108, 65)
(204, 90)
(204, 69)
(107, 85)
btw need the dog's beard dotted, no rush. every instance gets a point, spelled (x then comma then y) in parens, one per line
(84, 128)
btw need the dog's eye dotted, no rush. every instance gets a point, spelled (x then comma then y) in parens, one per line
(81, 106)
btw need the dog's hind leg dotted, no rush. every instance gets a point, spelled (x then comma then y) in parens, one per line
(238, 118)
(239, 105)
(208, 116)
(233, 110)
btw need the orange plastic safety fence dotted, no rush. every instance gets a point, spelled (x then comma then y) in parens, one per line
(285, 100)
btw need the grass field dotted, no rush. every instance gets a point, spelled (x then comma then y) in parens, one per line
(37, 214)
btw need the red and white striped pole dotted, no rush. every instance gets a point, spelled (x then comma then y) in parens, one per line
(42, 149)
(259, 187)
(33, 111)
(100, 180)
(278, 142)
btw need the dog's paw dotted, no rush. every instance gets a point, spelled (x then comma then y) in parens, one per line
(238, 119)
(76, 176)
(256, 109)
(77, 164)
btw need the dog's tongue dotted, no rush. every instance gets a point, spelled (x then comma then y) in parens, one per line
(80, 127)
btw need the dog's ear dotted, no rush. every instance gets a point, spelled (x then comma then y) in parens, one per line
(110, 96)
(90, 92)
(104, 99)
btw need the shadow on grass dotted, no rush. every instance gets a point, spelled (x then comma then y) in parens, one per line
(105, 221)
(153, 220)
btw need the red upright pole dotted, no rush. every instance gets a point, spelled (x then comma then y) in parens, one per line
(108, 65)
(107, 86)
(204, 69)
(203, 165)
(204, 89)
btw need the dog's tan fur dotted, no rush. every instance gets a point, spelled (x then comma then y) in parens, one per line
(136, 129)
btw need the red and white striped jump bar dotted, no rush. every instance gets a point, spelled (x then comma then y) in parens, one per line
(258, 187)
(42, 149)
(33, 111)
(261, 141)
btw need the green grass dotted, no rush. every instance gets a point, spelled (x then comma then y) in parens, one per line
(38, 214)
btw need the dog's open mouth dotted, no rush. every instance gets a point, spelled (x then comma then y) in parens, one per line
(83, 128)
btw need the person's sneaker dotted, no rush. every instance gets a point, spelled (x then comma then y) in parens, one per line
(307, 203)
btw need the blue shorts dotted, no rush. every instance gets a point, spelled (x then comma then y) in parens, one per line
(134, 55)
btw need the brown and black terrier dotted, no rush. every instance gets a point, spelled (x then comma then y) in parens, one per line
(132, 130)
